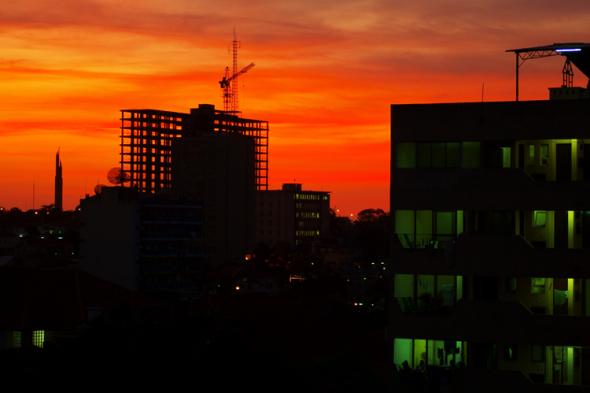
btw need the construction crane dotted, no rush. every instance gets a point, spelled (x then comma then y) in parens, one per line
(229, 85)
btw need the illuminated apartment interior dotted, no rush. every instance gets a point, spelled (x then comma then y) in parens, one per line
(491, 206)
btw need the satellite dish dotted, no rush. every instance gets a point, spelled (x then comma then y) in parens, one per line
(117, 176)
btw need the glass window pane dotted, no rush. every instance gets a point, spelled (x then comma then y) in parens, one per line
(404, 227)
(453, 155)
(445, 287)
(423, 227)
(506, 157)
(419, 352)
(471, 157)
(423, 155)
(406, 155)
(402, 351)
(425, 290)
(438, 155)
(404, 285)
(444, 223)
(544, 154)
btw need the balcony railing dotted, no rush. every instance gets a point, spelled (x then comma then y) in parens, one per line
(429, 241)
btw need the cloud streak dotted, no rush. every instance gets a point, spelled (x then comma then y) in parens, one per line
(326, 72)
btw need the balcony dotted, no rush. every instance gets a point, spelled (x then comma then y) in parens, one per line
(486, 321)
(451, 189)
(488, 255)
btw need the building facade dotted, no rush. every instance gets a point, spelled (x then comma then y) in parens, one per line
(147, 136)
(219, 172)
(148, 243)
(292, 215)
(492, 221)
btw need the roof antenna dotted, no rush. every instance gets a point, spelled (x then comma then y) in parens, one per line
(483, 87)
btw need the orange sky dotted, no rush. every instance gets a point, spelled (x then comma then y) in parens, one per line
(326, 73)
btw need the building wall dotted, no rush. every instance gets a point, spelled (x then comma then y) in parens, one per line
(292, 215)
(516, 145)
(218, 171)
(109, 236)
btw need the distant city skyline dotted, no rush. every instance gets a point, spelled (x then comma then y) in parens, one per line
(326, 73)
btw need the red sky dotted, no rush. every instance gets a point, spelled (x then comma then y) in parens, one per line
(326, 73)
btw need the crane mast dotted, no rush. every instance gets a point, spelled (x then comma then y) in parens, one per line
(229, 82)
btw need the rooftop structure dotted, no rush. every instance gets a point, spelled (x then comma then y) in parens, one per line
(577, 53)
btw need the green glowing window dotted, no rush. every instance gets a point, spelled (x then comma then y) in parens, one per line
(17, 339)
(444, 223)
(460, 219)
(532, 153)
(419, 352)
(404, 285)
(402, 351)
(459, 287)
(539, 218)
(404, 227)
(406, 155)
(471, 157)
(544, 154)
(423, 225)
(538, 285)
(39, 338)
(445, 290)
(506, 157)
(425, 290)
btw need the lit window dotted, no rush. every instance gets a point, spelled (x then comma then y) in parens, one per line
(17, 339)
(471, 154)
(38, 338)
(532, 153)
(544, 154)
(539, 218)
(506, 157)
(538, 285)
(406, 155)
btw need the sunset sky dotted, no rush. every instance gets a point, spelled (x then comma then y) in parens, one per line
(326, 73)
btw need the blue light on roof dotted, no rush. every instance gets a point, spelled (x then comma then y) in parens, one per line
(568, 50)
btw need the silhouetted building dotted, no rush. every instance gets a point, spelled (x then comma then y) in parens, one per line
(213, 157)
(147, 136)
(218, 170)
(58, 203)
(43, 307)
(492, 216)
(151, 243)
(292, 216)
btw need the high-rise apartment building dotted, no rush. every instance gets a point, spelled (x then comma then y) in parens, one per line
(491, 207)
(292, 215)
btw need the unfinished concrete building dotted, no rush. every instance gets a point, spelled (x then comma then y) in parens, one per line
(147, 136)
